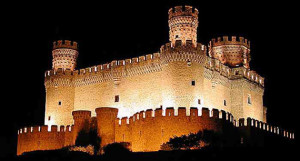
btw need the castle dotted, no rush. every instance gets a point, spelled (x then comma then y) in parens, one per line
(185, 87)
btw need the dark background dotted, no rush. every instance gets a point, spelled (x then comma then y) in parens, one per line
(119, 30)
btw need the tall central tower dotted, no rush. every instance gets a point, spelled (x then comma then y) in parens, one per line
(182, 60)
(183, 24)
(64, 55)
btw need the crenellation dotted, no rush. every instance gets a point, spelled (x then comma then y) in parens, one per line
(170, 111)
(54, 128)
(182, 111)
(205, 113)
(44, 128)
(216, 113)
(149, 113)
(226, 40)
(65, 44)
(62, 128)
(232, 73)
(139, 121)
(124, 121)
(183, 10)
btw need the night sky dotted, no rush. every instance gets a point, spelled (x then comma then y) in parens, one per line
(112, 31)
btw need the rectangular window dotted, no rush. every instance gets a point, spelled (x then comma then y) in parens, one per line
(225, 104)
(199, 101)
(249, 99)
(49, 118)
(193, 83)
(117, 98)
(59, 103)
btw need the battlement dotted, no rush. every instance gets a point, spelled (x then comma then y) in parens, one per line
(204, 113)
(45, 129)
(145, 130)
(183, 11)
(44, 138)
(250, 122)
(225, 40)
(114, 70)
(65, 44)
(141, 60)
(234, 73)
(179, 48)
(105, 110)
(84, 114)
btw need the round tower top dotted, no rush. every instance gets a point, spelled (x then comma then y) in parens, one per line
(64, 54)
(233, 41)
(183, 11)
(65, 44)
(183, 24)
(231, 51)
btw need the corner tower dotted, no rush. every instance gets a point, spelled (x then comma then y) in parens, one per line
(59, 84)
(183, 24)
(232, 52)
(64, 54)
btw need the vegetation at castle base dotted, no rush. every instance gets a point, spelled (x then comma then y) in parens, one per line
(117, 151)
(88, 137)
(206, 153)
(205, 138)
(86, 149)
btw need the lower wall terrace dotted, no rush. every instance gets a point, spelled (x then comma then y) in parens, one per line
(146, 130)
(43, 138)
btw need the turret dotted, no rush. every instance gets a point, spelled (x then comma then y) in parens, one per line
(81, 121)
(183, 24)
(64, 54)
(106, 117)
(232, 52)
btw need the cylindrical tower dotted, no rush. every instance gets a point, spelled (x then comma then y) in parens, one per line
(81, 121)
(59, 84)
(60, 93)
(64, 54)
(183, 24)
(233, 52)
(106, 117)
(182, 60)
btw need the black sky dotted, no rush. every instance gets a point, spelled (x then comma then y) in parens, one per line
(118, 30)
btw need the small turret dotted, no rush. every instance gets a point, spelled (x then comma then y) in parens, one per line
(64, 54)
(233, 53)
(106, 117)
(183, 24)
(81, 121)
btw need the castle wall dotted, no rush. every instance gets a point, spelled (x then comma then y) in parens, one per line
(40, 138)
(255, 108)
(178, 90)
(216, 91)
(136, 92)
(182, 82)
(154, 81)
(147, 131)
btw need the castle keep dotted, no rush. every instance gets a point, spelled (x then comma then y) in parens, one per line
(185, 87)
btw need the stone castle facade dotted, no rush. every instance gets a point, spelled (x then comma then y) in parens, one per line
(184, 73)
